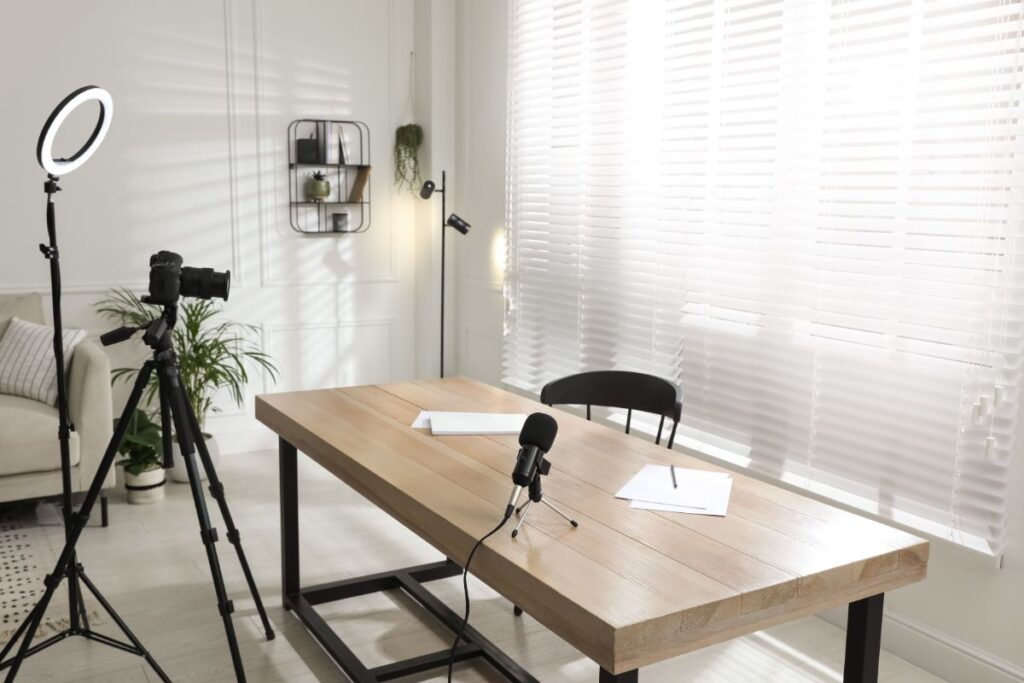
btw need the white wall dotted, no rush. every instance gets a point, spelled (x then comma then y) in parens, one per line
(965, 622)
(195, 162)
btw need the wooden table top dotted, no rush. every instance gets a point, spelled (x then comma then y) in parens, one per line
(628, 587)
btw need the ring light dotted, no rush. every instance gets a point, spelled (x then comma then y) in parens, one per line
(44, 150)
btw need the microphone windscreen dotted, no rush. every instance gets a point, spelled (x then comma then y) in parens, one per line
(539, 430)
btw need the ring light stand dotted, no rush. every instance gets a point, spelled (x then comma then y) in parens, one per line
(74, 573)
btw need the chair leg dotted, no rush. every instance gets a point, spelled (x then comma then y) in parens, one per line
(104, 512)
(672, 436)
(517, 610)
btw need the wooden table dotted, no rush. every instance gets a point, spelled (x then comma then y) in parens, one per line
(628, 588)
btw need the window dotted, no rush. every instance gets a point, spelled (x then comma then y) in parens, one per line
(806, 212)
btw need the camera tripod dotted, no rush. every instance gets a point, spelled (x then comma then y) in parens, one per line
(174, 407)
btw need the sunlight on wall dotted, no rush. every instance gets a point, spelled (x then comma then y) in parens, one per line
(499, 255)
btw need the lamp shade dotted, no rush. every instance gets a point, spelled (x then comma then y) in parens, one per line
(44, 149)
(457, 223)
(427, 189)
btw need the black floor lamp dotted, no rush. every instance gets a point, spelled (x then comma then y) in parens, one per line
(78, 622)
(453, 221)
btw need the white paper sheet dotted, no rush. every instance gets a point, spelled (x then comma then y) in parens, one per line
(422, 420)
(719, 504)
(696, 490)
(451, 424)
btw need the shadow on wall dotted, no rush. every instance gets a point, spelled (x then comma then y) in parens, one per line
(212, 121)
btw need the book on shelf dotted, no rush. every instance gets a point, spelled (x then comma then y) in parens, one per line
(329, 149)
(359, 185)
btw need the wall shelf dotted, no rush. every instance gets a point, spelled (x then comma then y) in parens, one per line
(343, 153)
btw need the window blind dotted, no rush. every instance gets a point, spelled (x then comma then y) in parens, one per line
(808, 213)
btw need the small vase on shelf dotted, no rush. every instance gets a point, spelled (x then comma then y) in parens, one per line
(318, 187)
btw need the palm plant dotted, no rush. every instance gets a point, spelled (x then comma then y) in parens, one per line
(212, 355)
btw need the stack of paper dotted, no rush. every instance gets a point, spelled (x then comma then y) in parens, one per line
(451, 424)
(697, 492)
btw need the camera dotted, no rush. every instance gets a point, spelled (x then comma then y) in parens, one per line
(169, 280)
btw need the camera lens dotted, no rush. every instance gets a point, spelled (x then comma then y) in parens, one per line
(205, 283)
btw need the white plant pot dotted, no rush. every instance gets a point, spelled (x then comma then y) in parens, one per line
(179, 474)
(145, 488)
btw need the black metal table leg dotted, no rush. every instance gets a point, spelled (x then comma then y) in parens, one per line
(627, 677)
(288, 457)
(863, 640)
(302, 602)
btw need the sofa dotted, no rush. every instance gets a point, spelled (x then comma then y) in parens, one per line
(29, 449)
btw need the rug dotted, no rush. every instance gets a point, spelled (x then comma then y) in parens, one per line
(26, 557)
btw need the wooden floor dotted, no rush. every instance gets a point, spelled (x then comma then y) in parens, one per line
(151, 565)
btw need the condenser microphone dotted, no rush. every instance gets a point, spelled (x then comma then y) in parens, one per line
(535, 441)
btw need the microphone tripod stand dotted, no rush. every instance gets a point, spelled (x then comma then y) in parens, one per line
(174, 407)
(537, 496)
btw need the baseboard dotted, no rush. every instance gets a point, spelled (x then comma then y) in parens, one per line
(944, 655)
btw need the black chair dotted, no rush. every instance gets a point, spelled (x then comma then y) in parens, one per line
(619, 389)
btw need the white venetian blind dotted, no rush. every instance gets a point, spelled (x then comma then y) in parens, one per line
(806, 212)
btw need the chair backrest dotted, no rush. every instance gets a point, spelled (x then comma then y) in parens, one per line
(619, 389)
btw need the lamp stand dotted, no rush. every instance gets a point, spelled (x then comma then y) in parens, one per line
(444, 234)
(78, 621)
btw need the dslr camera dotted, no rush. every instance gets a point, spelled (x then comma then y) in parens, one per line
(169, 280)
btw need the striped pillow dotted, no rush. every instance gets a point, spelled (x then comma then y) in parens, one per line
(27, 367)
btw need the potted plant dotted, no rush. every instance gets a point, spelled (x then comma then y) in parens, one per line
(213, 356)
(318, 187)
(143, 471)
(408, 139)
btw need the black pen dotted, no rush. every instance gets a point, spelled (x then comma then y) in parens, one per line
(672, 469)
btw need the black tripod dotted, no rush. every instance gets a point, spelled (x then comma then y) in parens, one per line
(537, 496)
(174, 406)
(78, 621)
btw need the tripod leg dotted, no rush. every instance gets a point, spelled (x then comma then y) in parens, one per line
(179, 413)
(234, 536)
(526, 511)
(166, 432)
(79, 519)
(17, 635)
(123, 626)
(560, 513)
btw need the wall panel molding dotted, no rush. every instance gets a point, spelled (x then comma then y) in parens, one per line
(312, 328)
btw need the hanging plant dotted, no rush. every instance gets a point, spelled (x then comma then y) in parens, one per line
(408, 139)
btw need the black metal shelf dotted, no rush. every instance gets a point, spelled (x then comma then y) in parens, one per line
(332, 202)
(315, 217)
(296, 164)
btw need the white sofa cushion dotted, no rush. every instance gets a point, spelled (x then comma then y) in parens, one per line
(28, 437)
(26, 360)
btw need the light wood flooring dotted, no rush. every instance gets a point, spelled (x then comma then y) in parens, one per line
(151, 564)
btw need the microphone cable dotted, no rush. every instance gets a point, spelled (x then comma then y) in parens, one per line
(465, 587)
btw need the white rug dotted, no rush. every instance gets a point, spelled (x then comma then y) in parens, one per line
(26, 557)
